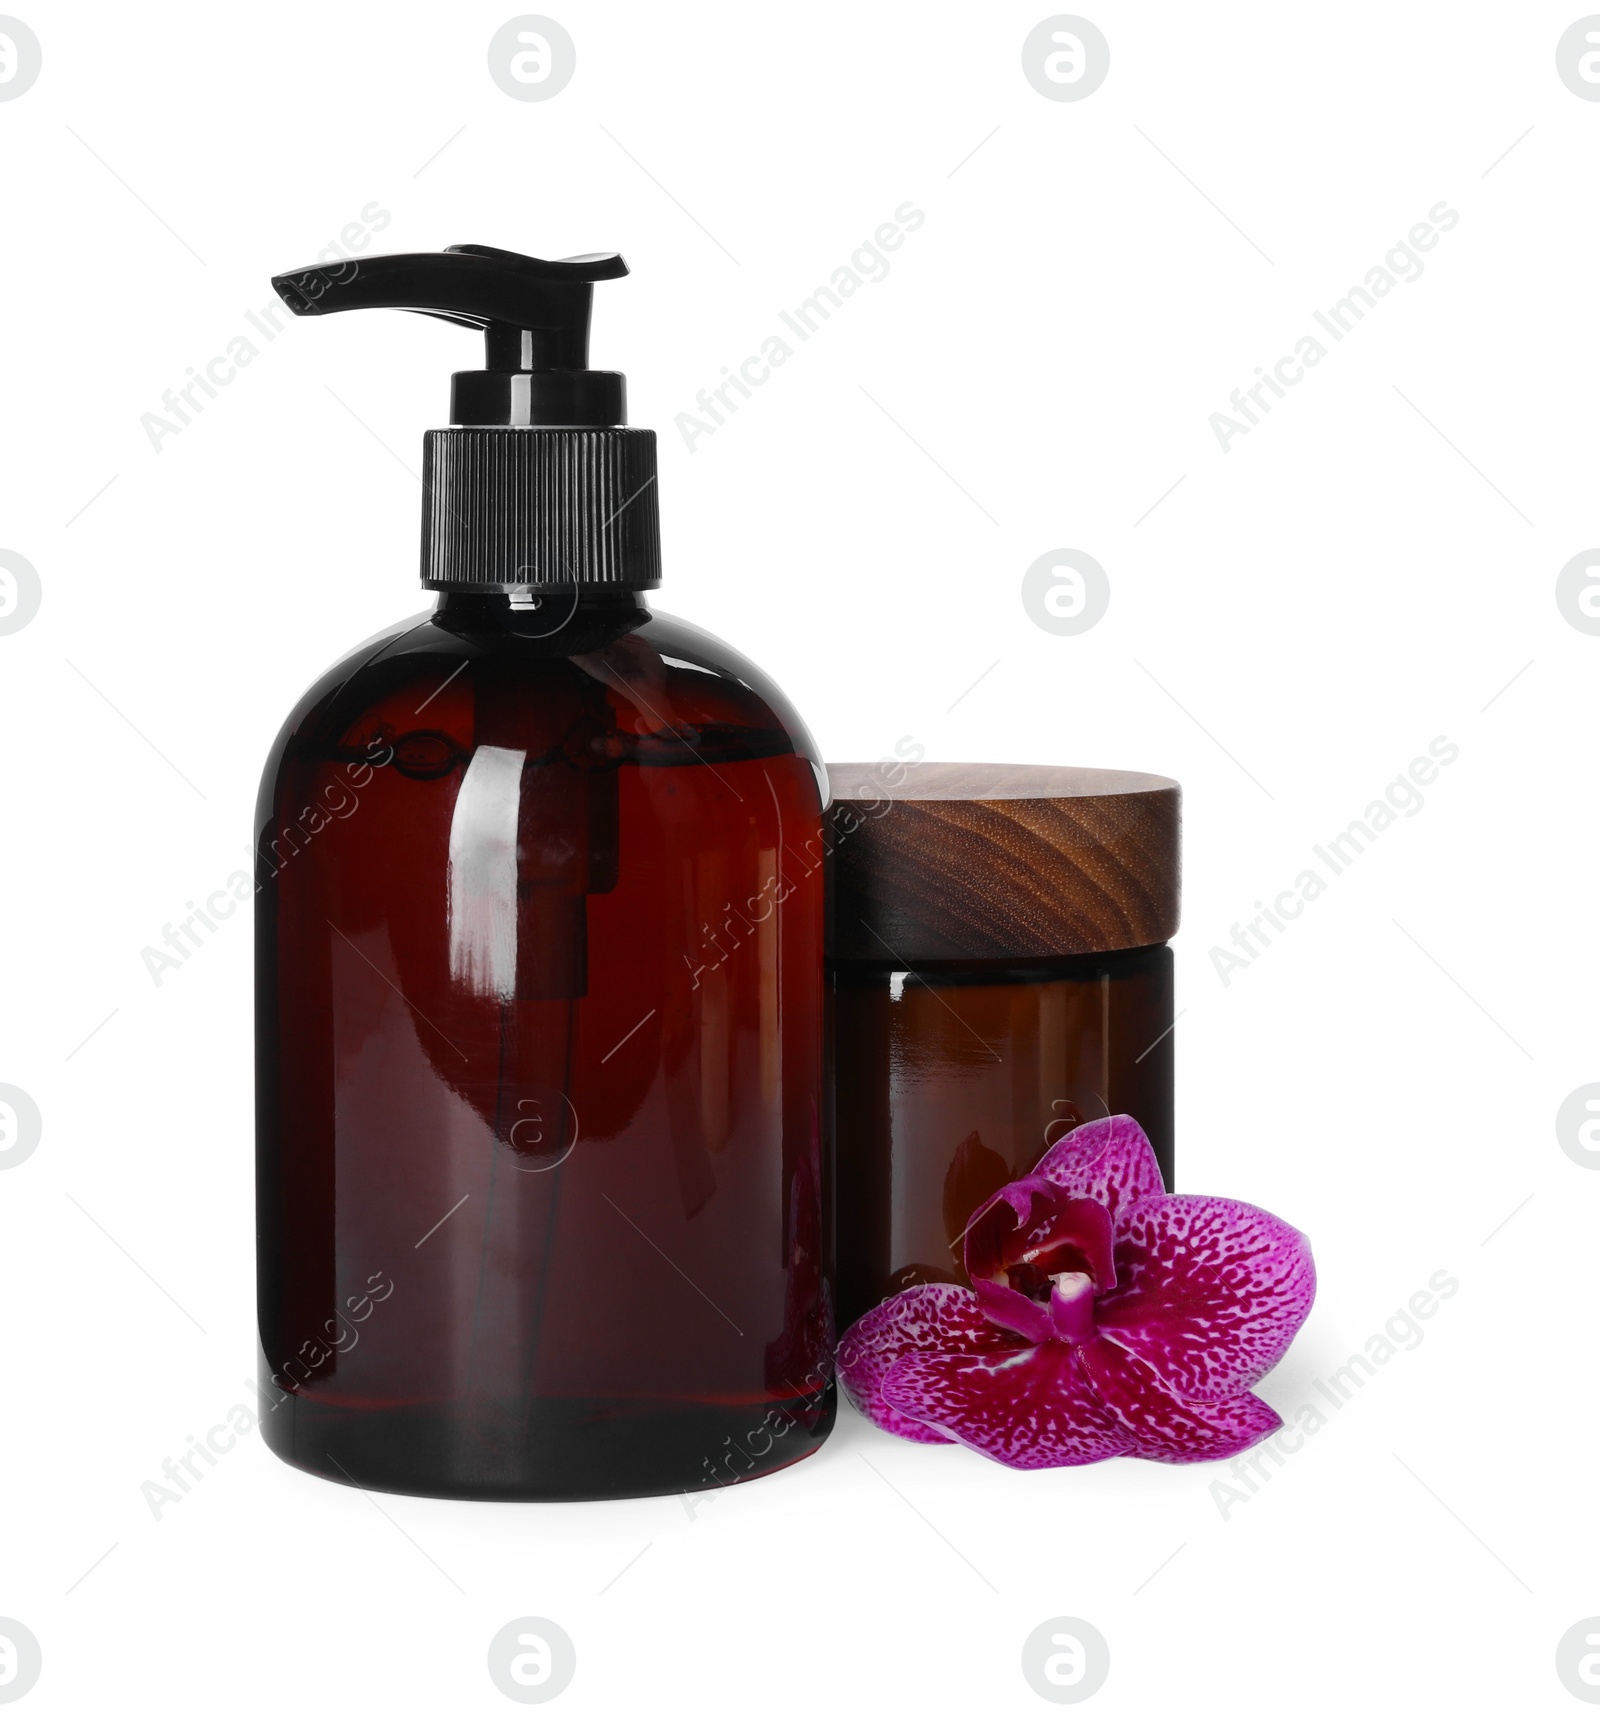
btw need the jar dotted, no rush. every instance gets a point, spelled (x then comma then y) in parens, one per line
(998, 974)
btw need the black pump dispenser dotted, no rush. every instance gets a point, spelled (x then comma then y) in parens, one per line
(538, 483)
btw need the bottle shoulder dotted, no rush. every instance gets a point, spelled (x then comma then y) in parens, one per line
(330, 688)
(650, 689)
(684, 646)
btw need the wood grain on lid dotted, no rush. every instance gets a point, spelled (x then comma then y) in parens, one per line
(947, 861)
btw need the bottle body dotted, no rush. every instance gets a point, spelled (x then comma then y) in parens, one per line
(543, 1205)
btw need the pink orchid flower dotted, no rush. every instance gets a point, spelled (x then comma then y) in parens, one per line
(1105, 1318)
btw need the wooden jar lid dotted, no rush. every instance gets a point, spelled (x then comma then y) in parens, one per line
(938, 862)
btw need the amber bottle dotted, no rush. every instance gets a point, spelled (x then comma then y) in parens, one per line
(543, 1210)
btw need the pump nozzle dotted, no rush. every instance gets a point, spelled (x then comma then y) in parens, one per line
(534, 315)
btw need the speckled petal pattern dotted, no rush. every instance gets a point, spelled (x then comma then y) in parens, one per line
(1209, 1292)
(926, 1318)
(1110, 1161)
(1030, 1409)
(1162, 1426)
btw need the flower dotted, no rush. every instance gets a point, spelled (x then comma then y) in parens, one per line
(1105, 1318)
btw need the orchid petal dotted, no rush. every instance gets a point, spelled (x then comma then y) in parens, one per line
(1109, 1160)
(923, 1318)
(1030, 1409)
(1163, 1426)
(1210, 1292)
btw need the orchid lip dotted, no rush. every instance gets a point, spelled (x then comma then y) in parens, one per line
(1014, 1310)
(1030, 1231)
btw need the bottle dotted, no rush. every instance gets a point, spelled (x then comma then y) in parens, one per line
(999, 973)
(542, 1205)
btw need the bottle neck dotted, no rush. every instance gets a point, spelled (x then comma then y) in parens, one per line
(542, 613)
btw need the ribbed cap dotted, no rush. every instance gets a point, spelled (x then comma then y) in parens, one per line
(504, 506)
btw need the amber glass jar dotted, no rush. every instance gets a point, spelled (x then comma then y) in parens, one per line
(998, 973)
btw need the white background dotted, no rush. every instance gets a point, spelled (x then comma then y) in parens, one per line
(1291, 625)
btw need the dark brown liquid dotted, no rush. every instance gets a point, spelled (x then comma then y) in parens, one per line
(542, 1199)
(955, 1079)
